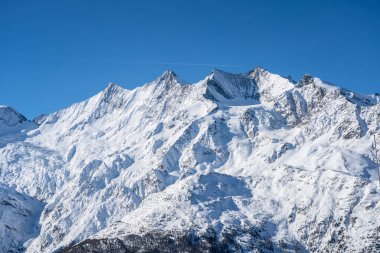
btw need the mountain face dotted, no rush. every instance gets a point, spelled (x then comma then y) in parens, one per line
(18, 219)
(234, 163)
(13, 125)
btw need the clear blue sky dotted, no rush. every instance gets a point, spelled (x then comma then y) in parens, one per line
(54, 53)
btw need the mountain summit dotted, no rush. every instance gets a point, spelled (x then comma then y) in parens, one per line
(233, 163)
(9, 117)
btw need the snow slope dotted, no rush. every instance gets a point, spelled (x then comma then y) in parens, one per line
(18, 219)
(238, 162)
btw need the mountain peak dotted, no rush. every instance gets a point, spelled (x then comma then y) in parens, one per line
(306, 79)
(111, 90)
(170, 77)
(258, 73)
(216, 71)
(10, 116)
(169, 73)
(113, 87)
(223, 85)
(260, 69)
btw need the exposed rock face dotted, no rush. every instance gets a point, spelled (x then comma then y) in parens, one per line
(234, 163)
(190, 241)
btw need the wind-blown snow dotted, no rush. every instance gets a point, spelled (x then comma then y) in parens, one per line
(255, 155)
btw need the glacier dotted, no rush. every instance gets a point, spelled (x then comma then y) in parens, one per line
(251, 162)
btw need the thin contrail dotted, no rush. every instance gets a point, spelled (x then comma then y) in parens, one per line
(128, 61)
(184, 63)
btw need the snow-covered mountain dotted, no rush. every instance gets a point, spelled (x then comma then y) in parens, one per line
(233, 163)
